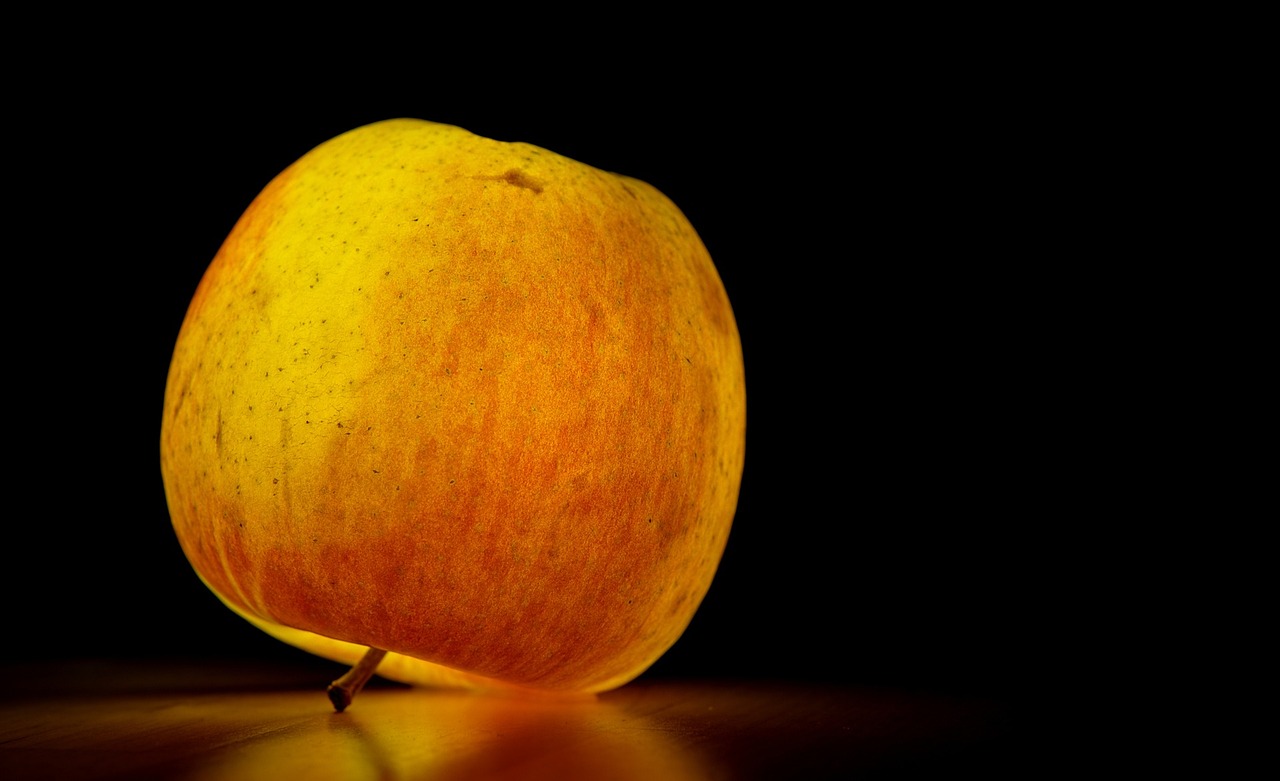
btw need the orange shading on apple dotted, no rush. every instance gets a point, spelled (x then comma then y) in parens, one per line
(468, 410)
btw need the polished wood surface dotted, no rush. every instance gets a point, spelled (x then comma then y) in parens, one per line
(214, 721)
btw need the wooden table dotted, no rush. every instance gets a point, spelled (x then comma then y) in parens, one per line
(212, 721)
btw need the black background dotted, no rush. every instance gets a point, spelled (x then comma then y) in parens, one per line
(907, 493)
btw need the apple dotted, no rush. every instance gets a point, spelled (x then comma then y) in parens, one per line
(468, 410)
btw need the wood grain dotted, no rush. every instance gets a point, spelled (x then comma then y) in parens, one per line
(116, 720)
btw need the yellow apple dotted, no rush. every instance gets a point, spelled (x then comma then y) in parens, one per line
(464, 401)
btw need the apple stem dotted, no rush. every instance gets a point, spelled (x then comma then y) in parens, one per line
(345, 689)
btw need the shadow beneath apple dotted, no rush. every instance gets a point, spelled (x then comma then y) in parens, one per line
(437, 734)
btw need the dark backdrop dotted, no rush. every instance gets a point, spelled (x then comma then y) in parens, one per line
(905, 488)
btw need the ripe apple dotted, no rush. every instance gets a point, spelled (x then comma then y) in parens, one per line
(470, 404)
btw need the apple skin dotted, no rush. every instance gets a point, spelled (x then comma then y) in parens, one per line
(468, 401)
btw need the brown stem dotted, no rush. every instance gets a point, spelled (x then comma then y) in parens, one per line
(345, 689)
